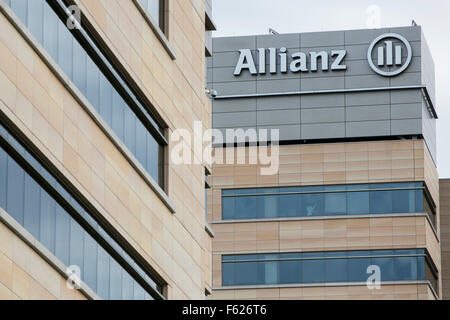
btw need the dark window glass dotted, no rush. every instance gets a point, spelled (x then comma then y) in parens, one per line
(139, 292)
(76, 244)
(326, 267)
(93, 83)
(50, 32)
(79, 67)
(386, 266)
(141, 145)
(15, 190)
(32, 205)
(380, 201)
(228, 278)
(357, 269)
(403, 201)
(117, 115)
(245, 207)
(62, 241)
(228, 208)
(335, 203)
(405, 268)
(35, 20)
(130, 131)
(3, 178)
(20, 8)
(358, 203)
(246, 273)
(47, 221)
(103, 273)
(90, 261)
(311, 204)
(313, 271)
(289, 205)
(290, 272)
(268, 206)
(65, 49)
(115, 281)
(105, 100)
(127, 286)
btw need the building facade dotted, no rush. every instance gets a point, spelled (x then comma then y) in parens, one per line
(354, 202)
(444, 194)
(90, 92)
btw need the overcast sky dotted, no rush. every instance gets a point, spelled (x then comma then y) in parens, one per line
(249, 17)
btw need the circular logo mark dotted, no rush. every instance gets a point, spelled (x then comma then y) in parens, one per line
(389, 54)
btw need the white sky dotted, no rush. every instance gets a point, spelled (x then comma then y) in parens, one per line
(249, 17)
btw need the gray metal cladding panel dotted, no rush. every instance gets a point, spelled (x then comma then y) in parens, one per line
(234, 105)
(323, 100)
(278, 117)
(323, 83)
(323, 131)
(278, 103)
(368, 129)
(234, 119)
(285, 85)
(406, 111)
(406, 126)
(323, 115)
(367, 113)
(367, 98)
(287, 132)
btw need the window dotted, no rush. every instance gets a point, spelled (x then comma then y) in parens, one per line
(34, 198)
(106, 90)
(331, 200)
(155, 9)
(327, 267)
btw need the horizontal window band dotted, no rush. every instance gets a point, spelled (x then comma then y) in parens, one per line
(79, 97)
(315, 192)
(111, 70)
(87, 223)
(43, 252)
(353, 90)
(328, 258)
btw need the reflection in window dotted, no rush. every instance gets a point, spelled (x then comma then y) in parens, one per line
(41, 212)
(326, 201)
(326, 267)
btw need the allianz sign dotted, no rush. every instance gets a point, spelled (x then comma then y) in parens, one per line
(299, 61)
(388, 48)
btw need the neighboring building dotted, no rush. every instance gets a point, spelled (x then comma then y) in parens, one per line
(357, 187)
(86, 185)
(444, 197)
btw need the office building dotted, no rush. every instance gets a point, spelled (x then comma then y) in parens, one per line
(90, 93)
(352, 211)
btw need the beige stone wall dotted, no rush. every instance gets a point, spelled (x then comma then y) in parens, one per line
(25, 275)
(37, 103)
(445, 236)
(325, 164)
(387, 292)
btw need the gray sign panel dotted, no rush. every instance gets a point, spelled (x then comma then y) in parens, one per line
(326, 85)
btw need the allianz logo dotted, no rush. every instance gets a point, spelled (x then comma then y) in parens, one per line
(299, 61)
(387, 50)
